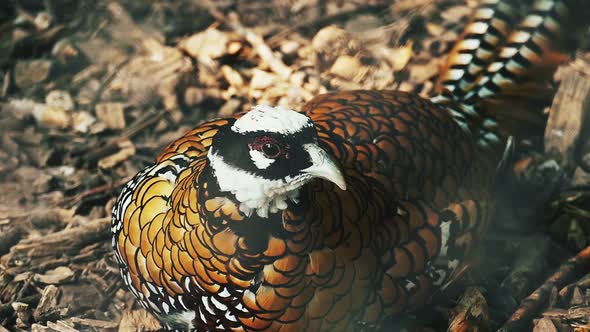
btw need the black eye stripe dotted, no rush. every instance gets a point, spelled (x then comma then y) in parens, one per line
(235, 148)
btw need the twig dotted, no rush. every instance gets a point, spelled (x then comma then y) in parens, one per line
(140, 124)
(105, 82)
(24, 288)
(97, 190)
(573, 269)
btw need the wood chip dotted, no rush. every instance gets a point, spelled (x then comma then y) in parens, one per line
(234, 46)
(363, 23)
(52, 117)
(348, 68)
(209, 43)
(399, 57)
(471, 313)
(545, 325)
(67, 241)
(229, 108)
(81, 121)
(56, 276)
(422, 72)
(264, 51)
(332, 41)
(101, 324)
(232, 76)
(23, 314)
(569, 117)
(111, 114)
(61, 326)
(126, 150)
(262, 79)
(434, 29)
(290, 47)
(47, 304)
(456, 13)
(31, 72)
(60, 99)
(138, 320)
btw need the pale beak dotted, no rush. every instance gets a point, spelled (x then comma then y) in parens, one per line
(323, 166)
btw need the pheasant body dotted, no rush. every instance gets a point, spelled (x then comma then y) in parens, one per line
(332, 260)
(351, 210)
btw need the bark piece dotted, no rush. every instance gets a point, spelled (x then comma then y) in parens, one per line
(573, 269)
(56, 276)
(138, 320)
(545, 325)
(47, 305)
(67, 241)
(471, 313)
(568, 125)
(94, 323)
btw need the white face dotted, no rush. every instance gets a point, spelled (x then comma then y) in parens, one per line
(265, 158)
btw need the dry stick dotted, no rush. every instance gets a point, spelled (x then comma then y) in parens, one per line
(68, 203)
(274, 63)
(105, 82)
(64, 242)
(573, 269)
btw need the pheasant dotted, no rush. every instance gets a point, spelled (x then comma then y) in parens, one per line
(353, 209)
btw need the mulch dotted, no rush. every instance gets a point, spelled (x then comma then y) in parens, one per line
(90, 91)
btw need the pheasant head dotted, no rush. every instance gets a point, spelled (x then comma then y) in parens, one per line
(265, 157)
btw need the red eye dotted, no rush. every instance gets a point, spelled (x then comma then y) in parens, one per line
(270, 147)
(271, 150)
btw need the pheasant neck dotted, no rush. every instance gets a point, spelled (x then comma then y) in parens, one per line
(253, 194)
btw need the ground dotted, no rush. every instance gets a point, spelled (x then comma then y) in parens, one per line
(90, 91)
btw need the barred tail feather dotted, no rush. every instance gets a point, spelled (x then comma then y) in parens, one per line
(503, 98)
(532, 52)
(477, 46)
